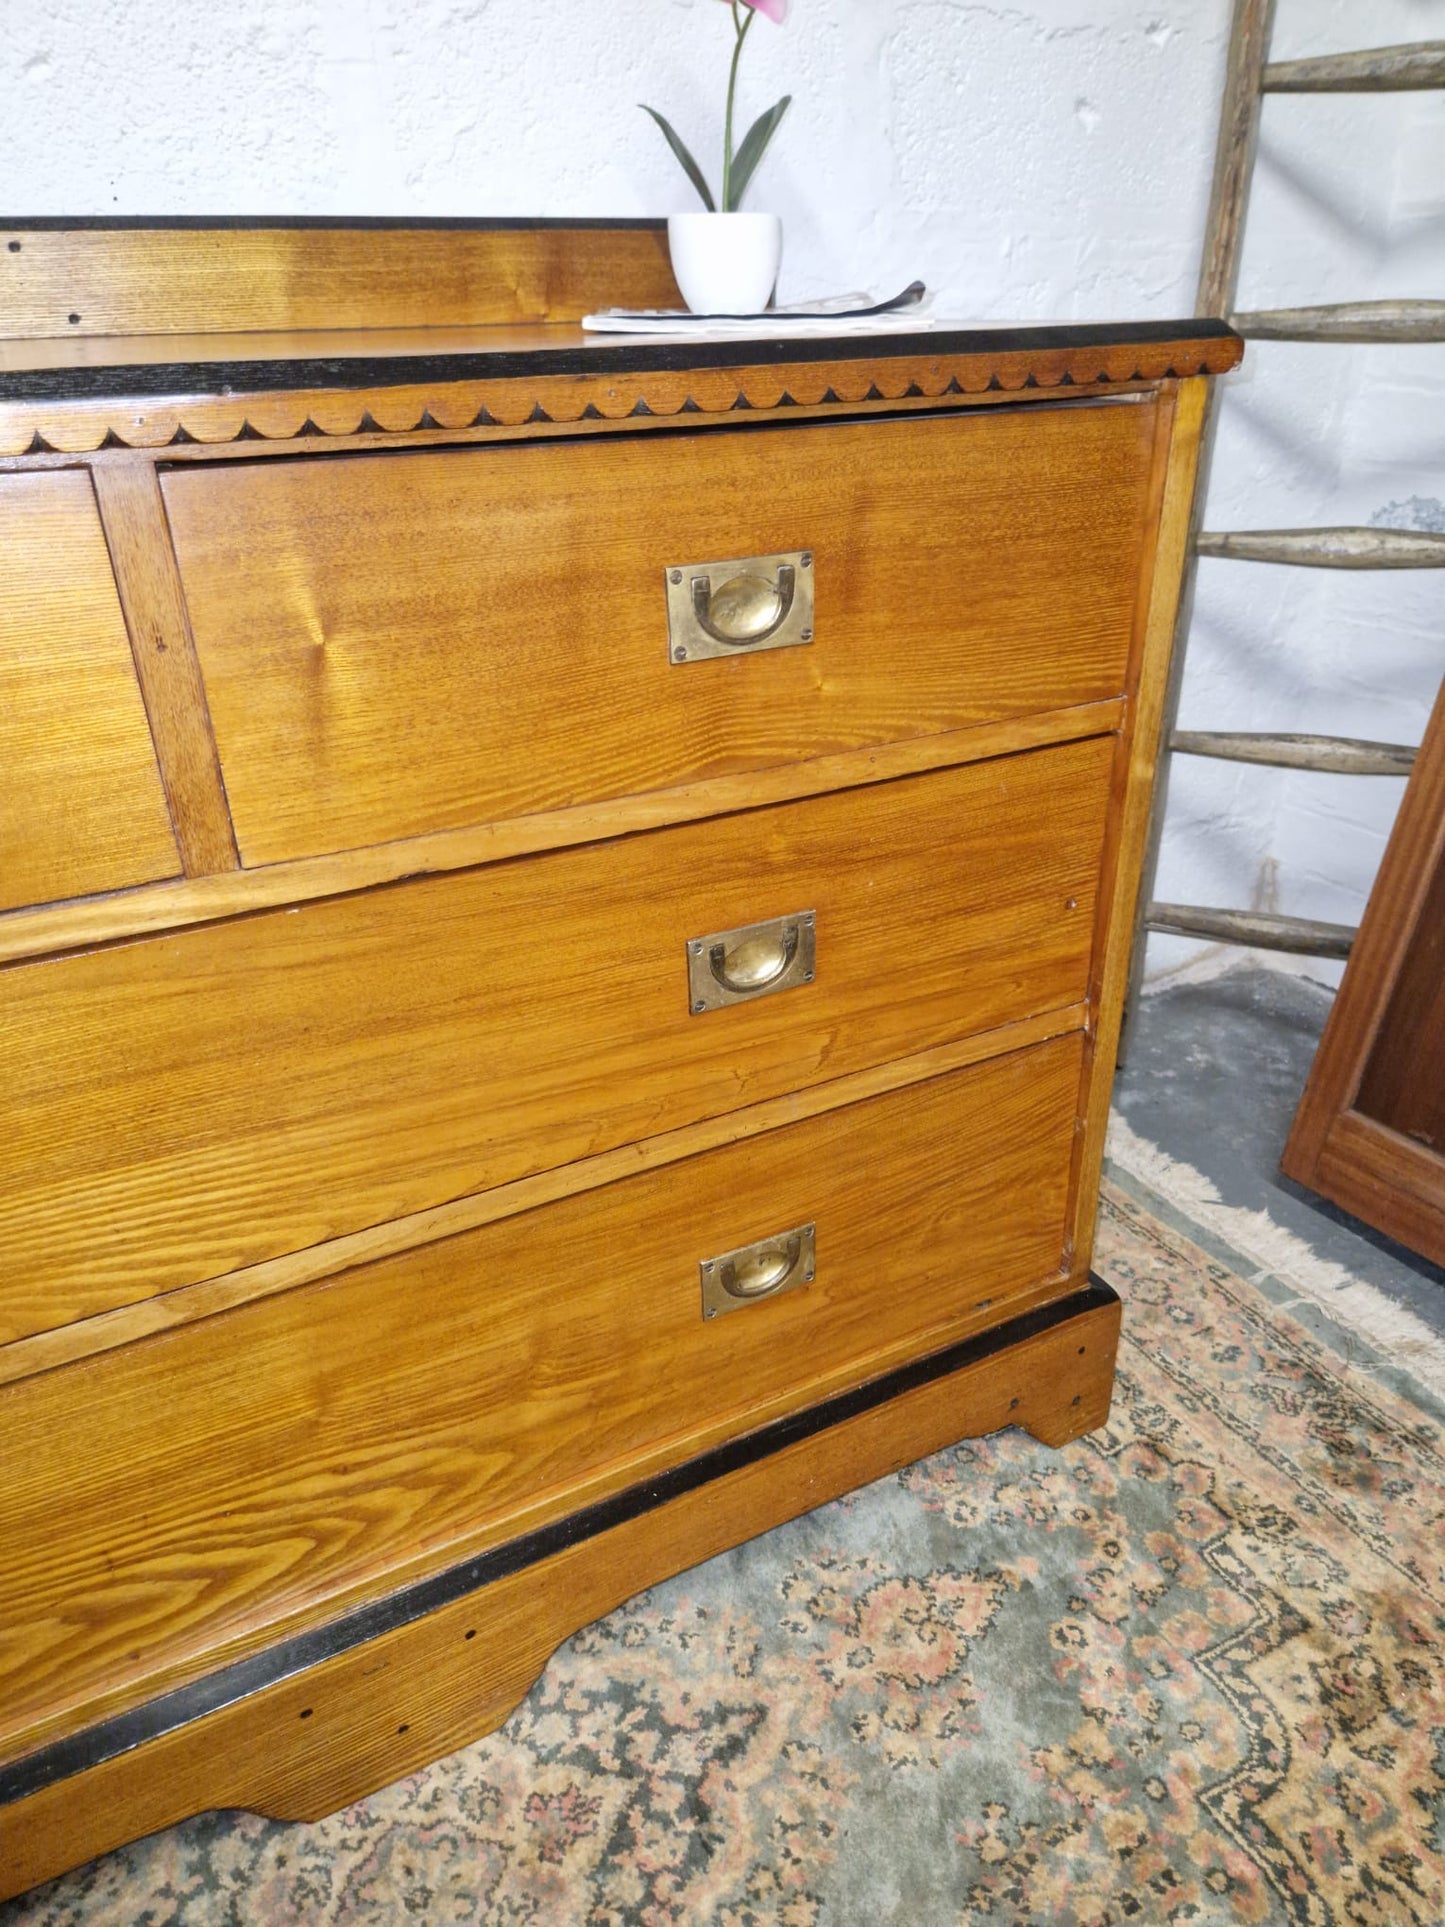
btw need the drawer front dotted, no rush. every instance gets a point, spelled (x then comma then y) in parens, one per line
(400, 643)
(81, 803)
(456, 1393)
(191, 1103)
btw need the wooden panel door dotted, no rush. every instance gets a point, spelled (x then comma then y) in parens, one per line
(1370, 1130)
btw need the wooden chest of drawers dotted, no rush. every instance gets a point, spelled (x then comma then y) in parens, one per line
(563, 912)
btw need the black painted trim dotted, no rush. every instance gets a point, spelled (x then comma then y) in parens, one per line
(106, 1740)
(381, 223)
(134, 381)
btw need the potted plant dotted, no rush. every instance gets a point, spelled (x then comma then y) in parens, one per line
(726, 262)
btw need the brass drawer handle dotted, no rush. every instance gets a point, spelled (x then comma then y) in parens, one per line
(756, 960)
(756, 963)
(747, 609)
(740, 607)
(757, 1271)
(763, 1270)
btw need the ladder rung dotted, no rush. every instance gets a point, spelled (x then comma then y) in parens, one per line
(1380, 321)
(1377, 70)
(1334, 755)
(1259, 929)
(1330, 548)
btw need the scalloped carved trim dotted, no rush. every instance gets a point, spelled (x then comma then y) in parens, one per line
(305, 414)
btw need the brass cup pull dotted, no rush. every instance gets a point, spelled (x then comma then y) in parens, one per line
(756, 963)
(763, 1270)
(740, 607)
(755, 960)
(746, 609)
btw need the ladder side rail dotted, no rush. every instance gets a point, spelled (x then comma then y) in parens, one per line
(1249, 35)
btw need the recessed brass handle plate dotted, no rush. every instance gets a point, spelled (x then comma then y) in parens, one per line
(763, 1270)
(739, 608)
(755, 960)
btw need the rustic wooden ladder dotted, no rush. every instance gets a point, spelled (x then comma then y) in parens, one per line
(1249, 77)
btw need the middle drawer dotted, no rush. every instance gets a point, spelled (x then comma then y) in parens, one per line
(184, 1105)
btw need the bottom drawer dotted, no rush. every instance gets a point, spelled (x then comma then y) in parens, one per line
(260, 1467)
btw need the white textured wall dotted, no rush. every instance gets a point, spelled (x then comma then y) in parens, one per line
(1036, 159)
(1041, 158)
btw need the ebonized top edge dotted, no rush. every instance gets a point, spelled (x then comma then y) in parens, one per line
(71, 223)
(117, 381)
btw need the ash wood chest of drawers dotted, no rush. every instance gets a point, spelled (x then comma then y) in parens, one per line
(563, 912)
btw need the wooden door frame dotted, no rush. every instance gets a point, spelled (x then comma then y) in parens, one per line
(1378, 1174)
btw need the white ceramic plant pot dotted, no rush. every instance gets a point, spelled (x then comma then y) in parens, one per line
(725, 263)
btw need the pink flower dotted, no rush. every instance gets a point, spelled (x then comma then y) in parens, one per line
(776, 10)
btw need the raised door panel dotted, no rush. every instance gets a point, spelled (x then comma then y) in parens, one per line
(1370, 1129)
(394, 644)
(184, 1105)
(81, 803)
(1404, 1080)
(410, 1411)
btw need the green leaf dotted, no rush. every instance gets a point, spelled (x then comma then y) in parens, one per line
(754, 146)
(689, 165)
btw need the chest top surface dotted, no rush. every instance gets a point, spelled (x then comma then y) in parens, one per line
(139, 334)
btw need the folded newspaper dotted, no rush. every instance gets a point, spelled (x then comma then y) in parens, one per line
(838, 314)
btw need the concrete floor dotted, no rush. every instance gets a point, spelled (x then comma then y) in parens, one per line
(1214, 1073)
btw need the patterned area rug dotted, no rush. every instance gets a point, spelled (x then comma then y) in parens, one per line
(1189, 1669)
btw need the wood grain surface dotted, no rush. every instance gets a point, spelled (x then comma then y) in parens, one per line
(410, 1412)
(108, 1330)
(316, 403)
(1370, 1129)
(392, 647)
(99, 280)
(204, 1100)
(1404, 1080)
(1336, 755)
(1317, 548)
(1372, 70)
(77, 925)
(1391, 1181)
(317, 1741)
(165, 658)
(81, 803)
(1136, 763)
(1250, 31)
(219, 354)
(1372, 321)
(358, 1160)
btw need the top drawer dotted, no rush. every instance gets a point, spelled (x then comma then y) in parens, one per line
(412, 641)
(81, 803)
